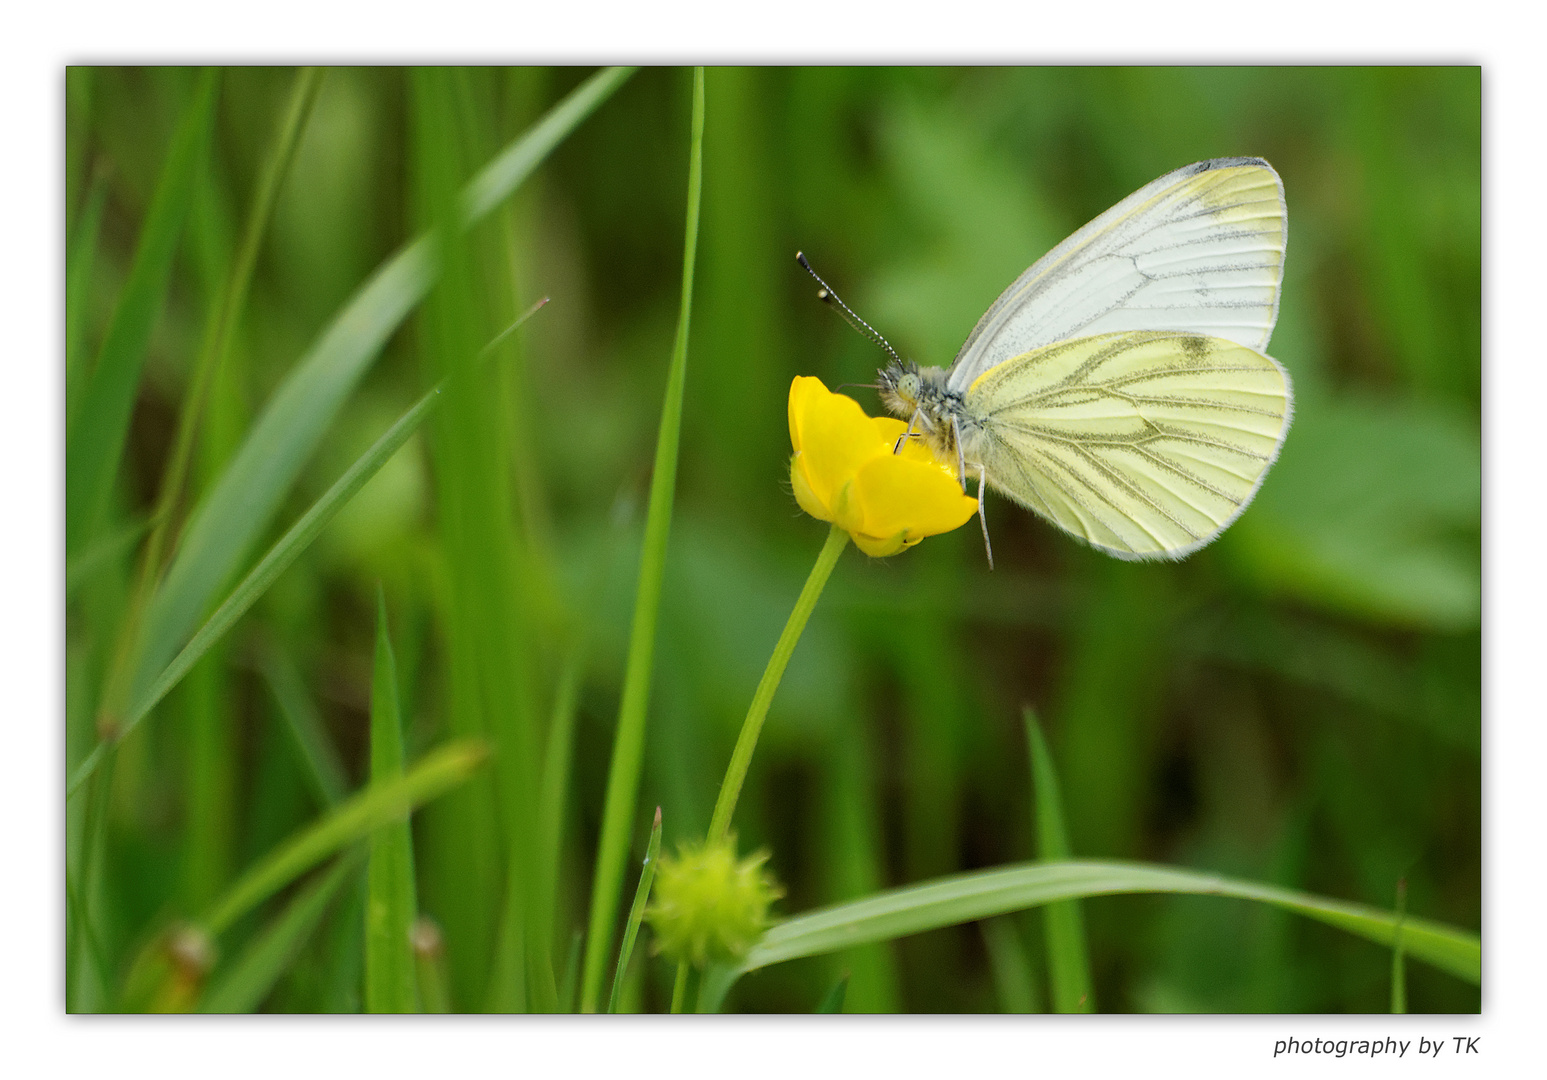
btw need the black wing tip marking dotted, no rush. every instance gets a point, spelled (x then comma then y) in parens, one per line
(1226, 163)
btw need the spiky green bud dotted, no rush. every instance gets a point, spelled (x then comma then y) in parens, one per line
(708, 905)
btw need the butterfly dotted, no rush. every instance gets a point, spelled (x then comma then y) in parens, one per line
(1119, 388)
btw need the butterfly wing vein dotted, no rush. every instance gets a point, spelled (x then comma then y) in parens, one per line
(1146, 444)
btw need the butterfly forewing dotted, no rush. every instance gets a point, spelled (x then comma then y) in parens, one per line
(1145, 443)
(1200, 251)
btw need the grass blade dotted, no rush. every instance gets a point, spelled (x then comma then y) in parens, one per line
(225, 311)
(491, 687)
(430, 963)
(832, 1001)
(232, 299)
(1067, 962)
(79, 264)
(629, 740)
(1398, 956)
(250, 977)
(81, 924)
(95, 444)
(227, 521)
(717, 982)
(962, 898)
(555, 786)
(319, 758)
(372, 808)
(637, 912)
(506, 172)
(390, 903)
(100, 553)
(1013, 981)
(278, 558)
(570, 986)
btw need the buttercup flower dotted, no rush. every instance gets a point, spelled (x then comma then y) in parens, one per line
(844, 471)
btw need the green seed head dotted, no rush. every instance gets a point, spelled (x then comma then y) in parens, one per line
(708, 905)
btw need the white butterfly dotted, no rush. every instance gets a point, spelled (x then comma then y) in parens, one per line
(1118, 387)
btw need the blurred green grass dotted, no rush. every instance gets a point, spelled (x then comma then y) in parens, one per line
(1298, 704)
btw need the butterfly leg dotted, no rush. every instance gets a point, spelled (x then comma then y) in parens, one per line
(982, 518)
(961, 459)
(906, 435)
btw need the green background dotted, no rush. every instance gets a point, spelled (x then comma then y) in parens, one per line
(1298, 703)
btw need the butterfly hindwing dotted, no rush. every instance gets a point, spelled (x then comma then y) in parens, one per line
(1200, 250)
(1144, 443)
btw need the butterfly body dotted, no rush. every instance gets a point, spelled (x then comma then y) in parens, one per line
(1117, 388)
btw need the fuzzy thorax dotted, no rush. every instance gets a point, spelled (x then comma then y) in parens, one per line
(919, 396)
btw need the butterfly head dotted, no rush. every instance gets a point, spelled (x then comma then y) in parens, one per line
(919, 394)
(901, 386)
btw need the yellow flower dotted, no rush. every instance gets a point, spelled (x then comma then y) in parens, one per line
(844, 471)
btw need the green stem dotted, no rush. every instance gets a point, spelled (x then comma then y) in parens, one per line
(752, 726)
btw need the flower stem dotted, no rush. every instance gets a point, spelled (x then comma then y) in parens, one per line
(741, 758)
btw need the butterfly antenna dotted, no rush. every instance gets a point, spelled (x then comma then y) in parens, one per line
(827, 296)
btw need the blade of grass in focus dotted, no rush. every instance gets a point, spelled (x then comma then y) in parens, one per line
(636, 913)
(250, 977)
(964, 897)
(390, 905)
(1068, 965)
(438, 772)
(629, 738)
(95, 444)
(225, 523)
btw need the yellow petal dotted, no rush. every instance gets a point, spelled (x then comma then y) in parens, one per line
(803, 390)
(835, 439)
(891, 429)
(878, 548)
(803, 493)
(913, 497)
(848, 512)
(920, 450)
(888, 428)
